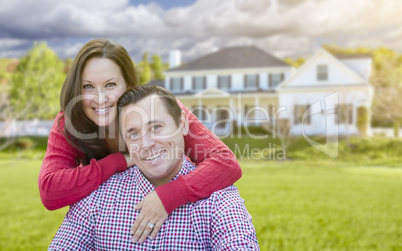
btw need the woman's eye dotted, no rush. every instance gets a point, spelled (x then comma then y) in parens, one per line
(87, 86)
(156, 127)
(110, 84)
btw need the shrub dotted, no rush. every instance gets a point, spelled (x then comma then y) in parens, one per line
(362, 122)
(24, 143)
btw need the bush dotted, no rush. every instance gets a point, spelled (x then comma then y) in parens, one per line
(362, 122)
(24, 143)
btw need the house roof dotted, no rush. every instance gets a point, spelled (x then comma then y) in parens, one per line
(352, 56)
(232, 58)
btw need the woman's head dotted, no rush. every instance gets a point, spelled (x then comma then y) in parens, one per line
(73, 85)
(85, 98)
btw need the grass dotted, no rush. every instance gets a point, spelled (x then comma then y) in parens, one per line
(25, 223)
(309, 202)
(298, 206)
(295, 206)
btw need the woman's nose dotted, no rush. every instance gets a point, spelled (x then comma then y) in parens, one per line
(101, 98)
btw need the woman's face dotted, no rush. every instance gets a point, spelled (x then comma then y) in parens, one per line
(102, 84)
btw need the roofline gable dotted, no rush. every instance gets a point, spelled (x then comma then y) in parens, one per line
(312, 59)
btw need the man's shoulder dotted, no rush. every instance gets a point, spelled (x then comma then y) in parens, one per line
(221, 198)
(109, 190)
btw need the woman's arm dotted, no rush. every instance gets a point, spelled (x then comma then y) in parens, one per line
(61, 181)
(217, 167)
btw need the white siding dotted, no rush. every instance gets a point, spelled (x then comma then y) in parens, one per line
(361, 66)
(337, 74)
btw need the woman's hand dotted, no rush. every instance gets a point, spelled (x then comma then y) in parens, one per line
(153, 212)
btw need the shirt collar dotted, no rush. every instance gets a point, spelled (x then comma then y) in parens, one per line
(146, 187)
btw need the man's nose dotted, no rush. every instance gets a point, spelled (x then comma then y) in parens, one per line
(147, 140)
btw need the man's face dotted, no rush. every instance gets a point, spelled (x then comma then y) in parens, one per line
(154, 140)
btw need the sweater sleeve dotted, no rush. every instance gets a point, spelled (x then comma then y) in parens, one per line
(217, 167)
(61, 181)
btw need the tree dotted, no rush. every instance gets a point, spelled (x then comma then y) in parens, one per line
(144, 70)
(295, 63)
(157, 67)
(36, 84)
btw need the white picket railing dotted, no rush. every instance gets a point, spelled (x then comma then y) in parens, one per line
(26, 128)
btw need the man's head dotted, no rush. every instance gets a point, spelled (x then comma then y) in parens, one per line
(153, 125)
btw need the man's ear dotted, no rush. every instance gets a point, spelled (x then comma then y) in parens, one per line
(184, 123)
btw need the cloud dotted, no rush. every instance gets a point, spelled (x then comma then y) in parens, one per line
(283, 27)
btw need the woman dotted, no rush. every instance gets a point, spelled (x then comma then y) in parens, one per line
(84, 148)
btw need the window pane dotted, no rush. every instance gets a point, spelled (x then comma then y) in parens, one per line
(198, 83)
(224, 82)
(251, 81)
(322, 72)
(276, 78)
(299, 111)
(176, 84)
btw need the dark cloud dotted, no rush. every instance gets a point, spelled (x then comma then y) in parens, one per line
(285, 27)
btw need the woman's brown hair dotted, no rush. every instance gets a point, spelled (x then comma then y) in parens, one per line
(93, 147)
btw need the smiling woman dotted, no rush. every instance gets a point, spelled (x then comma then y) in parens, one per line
(83, 149)
(100, 96)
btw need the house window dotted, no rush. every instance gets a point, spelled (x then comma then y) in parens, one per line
(222, 116)
(275, 79)
(344, 114)
(251, 81)
(322, 72)
(176, 84)
(224, 82)
(198, 83)
(299, 111)
(200, 112)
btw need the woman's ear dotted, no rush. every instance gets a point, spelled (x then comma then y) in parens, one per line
(184, 123)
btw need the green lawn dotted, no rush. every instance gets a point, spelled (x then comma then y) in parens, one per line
(296, 205)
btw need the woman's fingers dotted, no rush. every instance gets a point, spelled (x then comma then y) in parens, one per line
(148, 229)
(157, 227)
(140, 229)
(152, 212)
(137, 223)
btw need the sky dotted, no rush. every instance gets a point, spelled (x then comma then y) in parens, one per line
(197, 27)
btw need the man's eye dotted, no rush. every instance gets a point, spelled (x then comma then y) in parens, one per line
(87, 86)
(111, 84)
(133, 135)
(156, 127)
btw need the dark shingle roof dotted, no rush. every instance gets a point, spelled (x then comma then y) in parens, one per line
(353, 56)
(232, 58)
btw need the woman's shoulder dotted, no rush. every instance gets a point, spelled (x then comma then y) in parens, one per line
(58, 124)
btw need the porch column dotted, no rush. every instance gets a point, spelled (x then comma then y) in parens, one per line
(232, 114)
(256, 111)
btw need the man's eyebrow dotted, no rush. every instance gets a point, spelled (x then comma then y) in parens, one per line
(156, 122)
(132, 129)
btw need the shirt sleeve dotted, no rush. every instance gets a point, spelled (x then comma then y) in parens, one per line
(61, 181)
(231, 224)
(76, 231)
(217, 167)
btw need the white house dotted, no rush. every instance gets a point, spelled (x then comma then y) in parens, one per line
(246, 86)
(323, 96)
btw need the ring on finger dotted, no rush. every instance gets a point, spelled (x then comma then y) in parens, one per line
(151, 225)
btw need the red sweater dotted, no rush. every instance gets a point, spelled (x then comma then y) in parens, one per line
(62, 182)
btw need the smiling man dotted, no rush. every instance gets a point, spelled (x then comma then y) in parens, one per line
(153, 126)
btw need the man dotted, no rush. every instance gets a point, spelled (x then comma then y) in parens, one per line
(153, 126)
